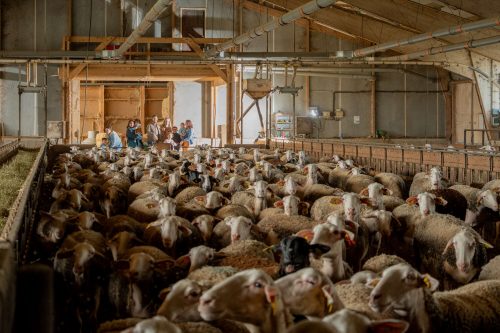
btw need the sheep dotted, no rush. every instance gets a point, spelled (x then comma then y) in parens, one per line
(208, 276)
(173, 233)
(256, 201)
(392, 182)
(314, 325)
(355, 296)
(205, 224)
(338, 176)
(491, 271)
(456, 202)
(278, 226)
(233, 229)
(82, 261)
(471, 308)
(349, 321)
(357, 181)
(324, 206)
(332, 235)
(261, 304)
(424, 182)
(379, 263)
(157, 324)
(310, 293)
(294, 253)
(181, 301)
(444, 246)
(113, 201)
(189, 194)
(118, 325)
(144, 210)
(233, 210)
(315, 191)
(136, 282)
(386, 233)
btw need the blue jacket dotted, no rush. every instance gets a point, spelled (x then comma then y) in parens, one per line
(114, 141)
(189, 136)
(131, 137)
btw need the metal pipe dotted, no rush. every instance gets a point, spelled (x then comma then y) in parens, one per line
(153, 14)
(454, 30)
(470, 44)
(284, 19)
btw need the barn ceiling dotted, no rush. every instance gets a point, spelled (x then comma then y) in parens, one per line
(381, 21)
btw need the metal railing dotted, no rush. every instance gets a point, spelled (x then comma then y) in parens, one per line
(465, 166)
(483, 139)
(17, 233)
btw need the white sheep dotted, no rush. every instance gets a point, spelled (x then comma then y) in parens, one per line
(468, 309)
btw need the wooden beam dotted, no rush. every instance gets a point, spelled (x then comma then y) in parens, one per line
(121, 72)
(77, 70)
(429, 19)
(74, 113)
(482, 8)
(314, 25)
(142, 108)
(196, 48)
(151, 40)
(372, 30)
(373, 107)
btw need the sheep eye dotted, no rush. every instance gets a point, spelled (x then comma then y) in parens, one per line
(258, 285)
(194, 294)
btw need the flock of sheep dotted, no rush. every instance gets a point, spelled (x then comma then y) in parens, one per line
(222, 240)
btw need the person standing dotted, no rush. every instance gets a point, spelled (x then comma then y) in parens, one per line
(189, 137)
(182, 131)
(176, 139)
(131, 134)
(153, 131)
(166, 129)
(114, 139)
(138, 133)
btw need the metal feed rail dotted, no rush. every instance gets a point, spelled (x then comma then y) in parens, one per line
(16, 234)
(464, 166)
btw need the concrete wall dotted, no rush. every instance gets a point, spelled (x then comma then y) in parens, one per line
(410, 114)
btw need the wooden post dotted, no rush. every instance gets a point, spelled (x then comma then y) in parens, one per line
(206, 112)
(230, 104)
(74, 114)
(373, 107)
(307, 88)
(100, 121)
(213, 92)
(142, 107)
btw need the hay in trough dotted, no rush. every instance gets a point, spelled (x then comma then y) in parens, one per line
(12, 176)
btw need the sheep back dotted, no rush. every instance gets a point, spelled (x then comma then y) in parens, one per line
(379, 263)
(491, 271)
(393, 182)
(457, 203)
(144, 210)
(322, 207)
(189, 194)
(356, 183)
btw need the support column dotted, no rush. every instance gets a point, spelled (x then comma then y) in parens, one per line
(230, 104)
(206, 109)
(74, 112)
(373, 107)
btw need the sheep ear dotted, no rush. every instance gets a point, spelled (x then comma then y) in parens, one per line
(485, 244)
(304, 208)
(388, 326)
(281, 183)
(386, 191)
(440, 201)
(429, 282)
(164, 293)
(448, 246)
(154, 224)
(185, 230)
(364, 192)
(278, 204)
(318, 249)
(413, 200)
(183, 261)
(228, 221)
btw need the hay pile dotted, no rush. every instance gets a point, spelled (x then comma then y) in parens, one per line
(12, 176)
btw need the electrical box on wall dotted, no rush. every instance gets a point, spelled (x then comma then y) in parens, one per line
(495, 117)
(339, 114)
(357, 120)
